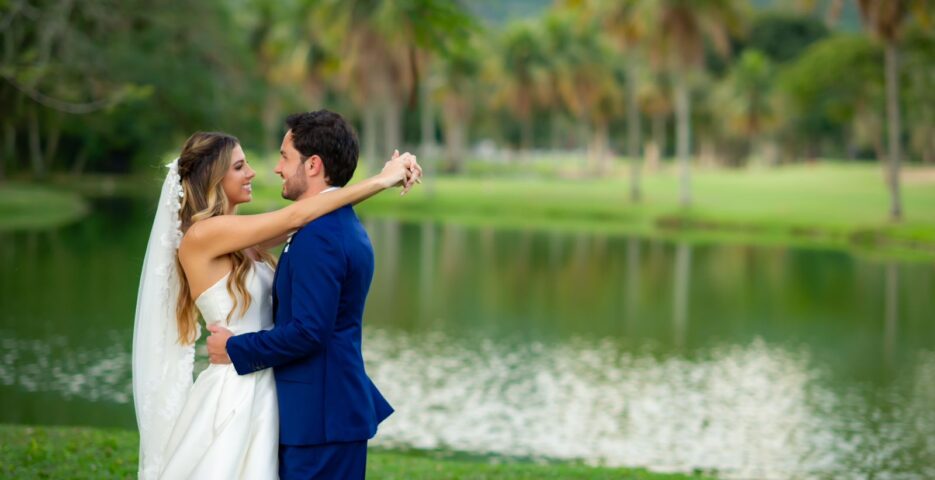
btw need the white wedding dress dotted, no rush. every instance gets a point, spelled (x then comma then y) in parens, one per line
(229, 425)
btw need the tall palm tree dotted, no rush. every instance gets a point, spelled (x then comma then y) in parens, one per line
(655, 100)
(679, 30)
(744, 98)
(385, 47)
(886, 19)
(621, 20)
(585, 74)
(459, 69)
(524, 74)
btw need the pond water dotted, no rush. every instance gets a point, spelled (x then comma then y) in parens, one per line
(751, 362)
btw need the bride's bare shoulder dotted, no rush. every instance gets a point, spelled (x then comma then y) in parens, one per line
(202, 231)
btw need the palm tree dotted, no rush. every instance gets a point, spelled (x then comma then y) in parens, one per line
(459, 69)
(621, 20)
(524, 73)
(885, 19)
(744, 99)
(586, 76)
(292, 64)
(655, 100)
(679, 29)
(385, 46)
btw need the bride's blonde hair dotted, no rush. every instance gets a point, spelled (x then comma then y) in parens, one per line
(203, 163)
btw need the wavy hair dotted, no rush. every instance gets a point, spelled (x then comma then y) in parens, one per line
(203, 163)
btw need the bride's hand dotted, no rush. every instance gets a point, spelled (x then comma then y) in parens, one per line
(402, 170)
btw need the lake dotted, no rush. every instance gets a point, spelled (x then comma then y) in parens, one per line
(750, 362)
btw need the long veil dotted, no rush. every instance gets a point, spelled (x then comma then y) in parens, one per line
(162, 368)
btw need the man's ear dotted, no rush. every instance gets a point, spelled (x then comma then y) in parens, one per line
(313, 166)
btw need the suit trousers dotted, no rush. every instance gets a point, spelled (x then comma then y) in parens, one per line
(338, 461)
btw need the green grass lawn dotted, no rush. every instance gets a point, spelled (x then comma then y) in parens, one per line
(34, 206)
(826, 205)
(830, 205)
(83, 453)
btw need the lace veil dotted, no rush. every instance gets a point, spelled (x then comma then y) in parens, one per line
(162, 368)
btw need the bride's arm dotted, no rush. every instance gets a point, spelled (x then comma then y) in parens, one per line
(224, 234)
(275, 241)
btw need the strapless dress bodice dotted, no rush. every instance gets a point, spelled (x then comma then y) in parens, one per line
(215, 303)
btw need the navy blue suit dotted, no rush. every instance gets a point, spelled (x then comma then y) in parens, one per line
(326, 399)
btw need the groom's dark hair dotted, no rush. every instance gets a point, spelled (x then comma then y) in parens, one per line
(326, 134)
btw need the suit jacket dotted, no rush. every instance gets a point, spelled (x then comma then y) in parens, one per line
(321, 284)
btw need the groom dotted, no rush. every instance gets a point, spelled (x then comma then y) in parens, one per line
(328, 407)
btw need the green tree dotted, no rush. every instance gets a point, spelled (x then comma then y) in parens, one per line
(622, 22)
(98, 84)
(523, 71)
(459, 70)
(886, 19)
(586, 76)
(783, 36)
(384, 46)
(679, 30)
(832, 92)
(919, 94)
(743, 100)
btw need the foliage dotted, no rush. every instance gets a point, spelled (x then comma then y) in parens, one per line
(110, 82)
(783, 36)
(836, 85)
(110, 86)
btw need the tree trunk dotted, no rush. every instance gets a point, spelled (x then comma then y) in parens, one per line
(35, 145)
(598, 149)
(655, 148)
(427, 126)
(526, 135)
(633, 134)
(369, 136)
(893, 127)
(683, 141)
(455, 135)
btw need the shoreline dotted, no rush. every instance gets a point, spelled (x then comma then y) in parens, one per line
(829, 206)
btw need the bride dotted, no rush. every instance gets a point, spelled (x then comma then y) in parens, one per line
(223, 425)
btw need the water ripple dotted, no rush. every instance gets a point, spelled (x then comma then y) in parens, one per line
(740, 411)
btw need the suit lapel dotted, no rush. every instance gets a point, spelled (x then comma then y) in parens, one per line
(279, 267)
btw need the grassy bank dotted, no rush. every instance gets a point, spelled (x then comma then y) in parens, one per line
(33, 206)
(824, 205)
(78, 453)
(828, 205)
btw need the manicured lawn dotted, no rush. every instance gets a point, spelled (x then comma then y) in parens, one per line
(825, 205)
(34, 206)
(830, 205)
(83, 453)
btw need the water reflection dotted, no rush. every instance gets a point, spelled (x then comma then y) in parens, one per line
(683, 265)
(747, 411)
(754, 362)
(892, 312)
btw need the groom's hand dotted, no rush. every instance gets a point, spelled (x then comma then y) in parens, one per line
(217, 344)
